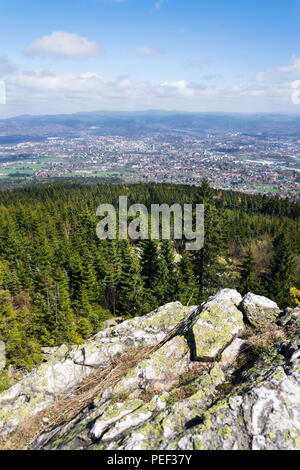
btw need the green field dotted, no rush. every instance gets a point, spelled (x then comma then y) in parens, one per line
(266, 188)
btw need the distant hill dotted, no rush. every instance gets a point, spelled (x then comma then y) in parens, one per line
(147, 123)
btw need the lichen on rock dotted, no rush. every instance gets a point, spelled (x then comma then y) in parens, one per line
(185, 392)
(259, 310)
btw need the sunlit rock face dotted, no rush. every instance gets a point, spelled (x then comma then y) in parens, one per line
(188, 393)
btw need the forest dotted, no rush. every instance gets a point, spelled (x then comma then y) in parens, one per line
(59, 282)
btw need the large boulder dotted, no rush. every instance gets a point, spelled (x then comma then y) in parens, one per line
(65, 369)
(217, 323)
(259, 310)
(225, 295)
(261, 413)
(188, 392)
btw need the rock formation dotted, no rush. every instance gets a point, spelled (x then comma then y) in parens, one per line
(180, 378)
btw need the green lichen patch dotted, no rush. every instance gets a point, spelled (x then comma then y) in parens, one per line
(215, 328)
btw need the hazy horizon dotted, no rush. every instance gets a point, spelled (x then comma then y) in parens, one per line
(75, 56)
(143, 112)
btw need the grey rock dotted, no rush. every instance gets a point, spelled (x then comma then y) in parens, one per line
(112, 322)
(57, 352)
(259, 310)
(65, 369)
(178, 396)
(290, 317)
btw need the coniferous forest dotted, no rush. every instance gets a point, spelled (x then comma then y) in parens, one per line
(59, 282)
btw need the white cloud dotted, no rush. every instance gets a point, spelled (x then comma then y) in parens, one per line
(64, 45)
(294, 67)
(94, 88)
(278, 74)
(241, 90)
(89, 90)
(44, 91)
(5, 66)
(283, 82)
(45, 81)
(148, 51)
(182, 87)
(2, 92)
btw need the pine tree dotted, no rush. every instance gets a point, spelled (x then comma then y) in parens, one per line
(65, 324)
(168, 272)
(208, 269)
(282, 271)
(154, 273)
(248, 281)
(130, 288)
(110, 266)
(188, 288)
(150, 263)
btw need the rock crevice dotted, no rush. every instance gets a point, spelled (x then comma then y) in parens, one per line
(172, 380)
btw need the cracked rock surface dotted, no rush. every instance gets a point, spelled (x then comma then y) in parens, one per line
(178, 397)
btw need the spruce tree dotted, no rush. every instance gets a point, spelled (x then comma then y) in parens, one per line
(130, 287)
(248, 281)
(282, 271)
(188, 288)
(208, 269)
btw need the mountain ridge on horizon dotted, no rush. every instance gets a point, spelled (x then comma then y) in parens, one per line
(142, 123)
(154, 112)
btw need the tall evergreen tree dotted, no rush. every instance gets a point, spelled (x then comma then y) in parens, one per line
(283, 270)
(208, 269)
(130, 288)
(248, 281)
(188, 287)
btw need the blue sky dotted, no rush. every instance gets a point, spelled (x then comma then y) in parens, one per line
(61, 56)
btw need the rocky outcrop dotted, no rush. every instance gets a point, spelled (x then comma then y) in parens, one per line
(259, 310)
(65, 369)
(290, 316)
(189, 388)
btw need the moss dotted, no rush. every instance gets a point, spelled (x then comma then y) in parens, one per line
(297, 442)
(198, 444)
(225, 389)
(211, 379)
(225, 431)
(182, 393)
(116, 408)
(121, 397)
(151, 435)
(206, 425)
(6, 381)
(287, 435)
(219, 406)
(215, 328)
(165, 317)
(287, 402)
(279, 375)
(17, 414)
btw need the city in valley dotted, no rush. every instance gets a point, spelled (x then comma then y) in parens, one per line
(254, 162)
